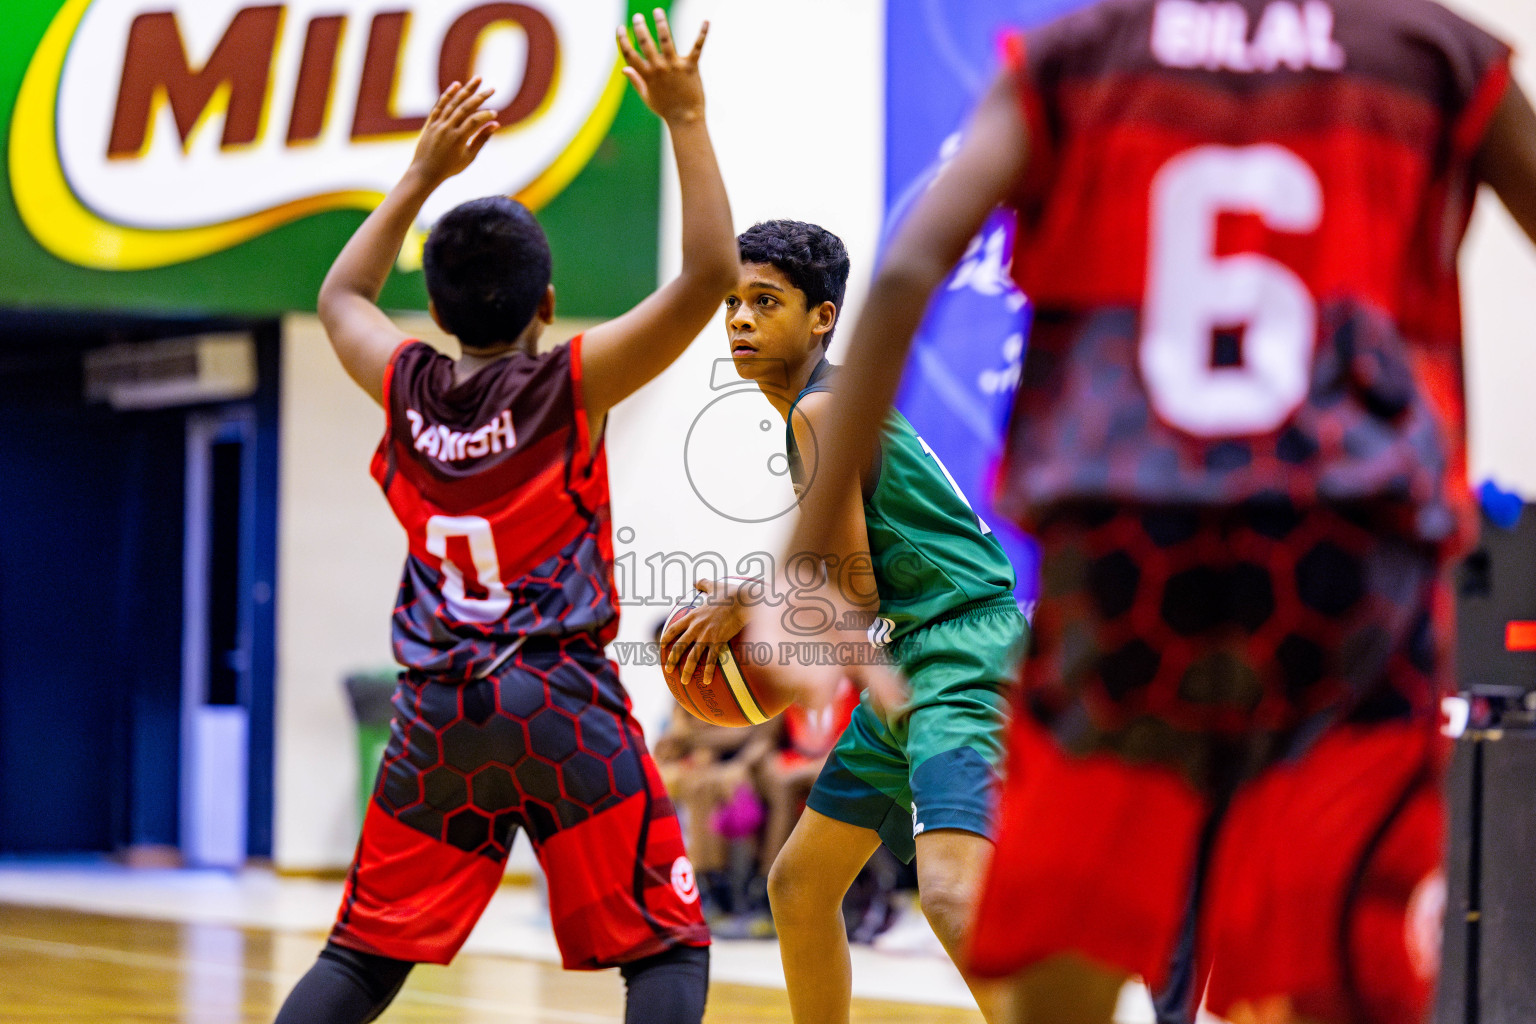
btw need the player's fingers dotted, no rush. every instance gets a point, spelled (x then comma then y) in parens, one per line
(467, 112)
(636, 81)
(664, 34)
(443, 99)
(673, 649)
(712, 659)
(627, 49)
(469, 98)
(888, 690)
(485, 128)
(471, 124)
(644, 41)
(691, 663)
(670, 631)
(685, 647)
(698, 44)
(446, 102)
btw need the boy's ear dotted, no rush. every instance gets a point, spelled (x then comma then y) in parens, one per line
(546, 310)
(432, 312)
(825, 318)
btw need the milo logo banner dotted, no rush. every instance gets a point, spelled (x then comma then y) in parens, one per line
(213, 155)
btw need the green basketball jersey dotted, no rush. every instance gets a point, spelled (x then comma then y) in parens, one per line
(931, 553)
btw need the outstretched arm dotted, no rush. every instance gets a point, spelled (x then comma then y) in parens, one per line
(620, 356)
(694, 640)
(992, 156)
(1507, 160)
(363, 337)
(990, 159)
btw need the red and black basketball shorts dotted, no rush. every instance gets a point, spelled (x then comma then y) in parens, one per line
(545, 743)
(1231, 714)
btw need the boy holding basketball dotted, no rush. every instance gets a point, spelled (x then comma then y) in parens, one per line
(508, 714)
(935, 588)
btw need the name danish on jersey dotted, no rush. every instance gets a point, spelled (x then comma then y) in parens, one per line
(439, 442)
(1213, 35)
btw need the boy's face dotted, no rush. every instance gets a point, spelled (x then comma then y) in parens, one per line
(772, 334)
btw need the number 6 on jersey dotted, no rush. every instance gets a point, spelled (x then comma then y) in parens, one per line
(1192, 293)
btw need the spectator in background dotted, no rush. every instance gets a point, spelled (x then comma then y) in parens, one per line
(711, 772)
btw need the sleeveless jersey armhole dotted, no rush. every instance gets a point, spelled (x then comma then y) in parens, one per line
(586, 454)
(386, 449)
(386, 391)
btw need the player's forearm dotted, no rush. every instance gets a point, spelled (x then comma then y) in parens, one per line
(709, 240)
(365, 261)
(993, 155)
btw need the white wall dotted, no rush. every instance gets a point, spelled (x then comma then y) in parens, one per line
(795, 104)
(1499, 273)
(338, 564)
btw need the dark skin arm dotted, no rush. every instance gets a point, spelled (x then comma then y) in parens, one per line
(927, 246)
(693, 641)
(622, 355)
(362, 335)
(993, 155)
(1507, 160)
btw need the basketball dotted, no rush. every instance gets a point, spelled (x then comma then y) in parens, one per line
(736, 695)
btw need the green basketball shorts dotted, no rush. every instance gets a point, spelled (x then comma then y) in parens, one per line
(934, 762)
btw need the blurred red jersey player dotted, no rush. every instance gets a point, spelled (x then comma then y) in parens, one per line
(1239, 439)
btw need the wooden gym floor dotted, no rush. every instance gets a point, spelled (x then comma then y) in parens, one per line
(70, 967)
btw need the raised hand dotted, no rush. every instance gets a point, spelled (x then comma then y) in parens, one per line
(668, 83)
(455, 132)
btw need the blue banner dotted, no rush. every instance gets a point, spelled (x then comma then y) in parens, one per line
(940, 58)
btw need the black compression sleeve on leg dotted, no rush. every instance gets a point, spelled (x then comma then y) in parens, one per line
(668, 988)
(344, 987)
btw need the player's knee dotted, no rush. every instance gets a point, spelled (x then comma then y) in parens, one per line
(946, 903)
(793, 890)
(667, 988)
(344, 984)
(781, 884)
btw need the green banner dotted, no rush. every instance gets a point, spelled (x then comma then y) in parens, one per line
(213, 156)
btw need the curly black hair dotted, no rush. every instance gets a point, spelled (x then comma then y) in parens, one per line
(813, 258)
(487, 265)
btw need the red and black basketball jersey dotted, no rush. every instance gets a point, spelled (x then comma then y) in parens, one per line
(1239, 230)
(504, 504)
